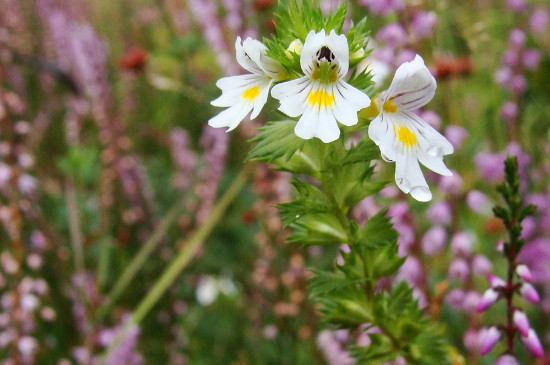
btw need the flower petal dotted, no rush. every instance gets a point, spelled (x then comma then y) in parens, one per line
(381, 132)
(293, 95)
(348, 101)
(314, 42)
(233, 88)
(413, 85)
(231, 117)
(338, 44)
(248, 54)
(319, 123)
(410, 179)
(261, 99)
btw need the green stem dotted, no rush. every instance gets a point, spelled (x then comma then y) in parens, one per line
(140, 259)
(181, 260)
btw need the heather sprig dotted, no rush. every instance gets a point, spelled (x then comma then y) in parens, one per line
(518, 278)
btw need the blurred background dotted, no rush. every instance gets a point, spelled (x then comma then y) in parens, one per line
(108, 171)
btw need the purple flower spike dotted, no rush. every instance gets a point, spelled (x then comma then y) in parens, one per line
(489, 297)
(507, 359)
(481, 265)
(522, 322)
(524, 272)
(532, 342)
(529, 292)
(488, 338)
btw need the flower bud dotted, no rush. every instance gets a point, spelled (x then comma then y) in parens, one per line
(495, 281)
(488, 338)
(529, 292)
(507, 359)
(481, 265)
(522, 322)
(524, 272)
(489, 297)
(532, 342)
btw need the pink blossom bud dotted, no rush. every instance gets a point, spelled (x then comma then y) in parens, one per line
(461, 244)
(507, 359)
(517, 38)
(455, 298)
(488, 338)
(500, 246)
(522, 322)
(532, 342)
(495, 281)
(489, 297)
(524, 272)
(481, 265)
(459, 269)
(529, 292)
(471, 301)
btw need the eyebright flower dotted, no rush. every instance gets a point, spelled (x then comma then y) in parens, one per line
(321, 97)
(403, 136)
(245, 93)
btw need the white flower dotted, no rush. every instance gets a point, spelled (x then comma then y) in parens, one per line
(245, 93)
(321, 97)
(404, 137)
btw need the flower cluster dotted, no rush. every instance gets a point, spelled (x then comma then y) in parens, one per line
(321, 98)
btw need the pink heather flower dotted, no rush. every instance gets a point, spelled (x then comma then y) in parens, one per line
(509, 111)
(471, 339)
(532, 342)
(406, 55)
(478, 202)
(490, 166)
(488, 338)
(522, 322)
(431, 117)
(500, 246)
(531, 58)
(383, 7)
(456, 135)
(524, 272)
(539, 20)
(487, 299)
(529, 292)
(440, 212)
(451, 184)
(392, 34)
(434, 240)
(423, 24)
(510, 57)
(517, 38)
(461, 243)
(528, 227)
(411, 271)
(518, 84)
(495, 281)
(471, 301)
(459, 269)
(481, 265)
(516, 5)
(507, 359)
(503, 75)
(455, 298)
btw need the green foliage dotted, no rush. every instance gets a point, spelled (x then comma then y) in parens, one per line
(337, 178)
(515, 212)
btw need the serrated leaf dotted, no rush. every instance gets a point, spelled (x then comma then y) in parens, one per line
(377, 231)
(325, 282)
(317, 229)
(311, 200)
(276, 140)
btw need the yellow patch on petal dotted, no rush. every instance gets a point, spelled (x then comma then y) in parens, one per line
(389, 106)
(320, 98)
(405, 136)
(251, 93)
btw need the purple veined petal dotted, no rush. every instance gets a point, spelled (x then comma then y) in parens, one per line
(522, 322)
(523, 272)
(488, 338)
(529, 292)
(413, 86)
(248, 54)
(532, 342)
(487, 299)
